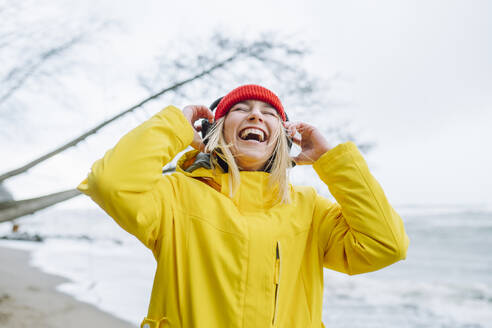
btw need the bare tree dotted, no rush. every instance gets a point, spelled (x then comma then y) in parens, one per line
(207, 72)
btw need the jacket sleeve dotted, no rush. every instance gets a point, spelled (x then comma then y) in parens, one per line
(128, 183)
(361, 232)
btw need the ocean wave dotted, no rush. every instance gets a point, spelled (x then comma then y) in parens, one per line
(408, 303)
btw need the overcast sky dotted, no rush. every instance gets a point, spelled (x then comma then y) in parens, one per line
(416, 75)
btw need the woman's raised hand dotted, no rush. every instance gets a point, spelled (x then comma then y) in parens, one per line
(193, 113)
(311, 141)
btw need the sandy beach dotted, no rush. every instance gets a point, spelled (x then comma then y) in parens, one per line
(28, 298)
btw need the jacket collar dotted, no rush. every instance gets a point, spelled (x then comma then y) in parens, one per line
(254, 193)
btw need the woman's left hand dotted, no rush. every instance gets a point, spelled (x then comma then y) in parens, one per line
(311, 141)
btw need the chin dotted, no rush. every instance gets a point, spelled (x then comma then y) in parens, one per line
(251, 156)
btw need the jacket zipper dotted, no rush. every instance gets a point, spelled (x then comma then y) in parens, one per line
(276, 282)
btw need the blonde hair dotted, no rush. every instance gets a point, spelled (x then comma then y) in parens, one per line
(279, 162)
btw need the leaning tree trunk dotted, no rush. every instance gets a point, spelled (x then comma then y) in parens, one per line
(13, 209)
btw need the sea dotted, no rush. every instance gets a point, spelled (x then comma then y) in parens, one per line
(445, 281)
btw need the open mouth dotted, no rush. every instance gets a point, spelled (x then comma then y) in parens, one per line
(252, 134)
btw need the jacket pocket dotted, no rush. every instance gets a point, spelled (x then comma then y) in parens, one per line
(276, 281)
(150, 323)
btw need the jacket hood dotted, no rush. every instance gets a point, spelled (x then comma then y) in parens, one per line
(194, 164)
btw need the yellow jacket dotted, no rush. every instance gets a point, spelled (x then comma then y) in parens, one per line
(248, 261)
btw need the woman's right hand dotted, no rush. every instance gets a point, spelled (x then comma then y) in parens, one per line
(193, 113)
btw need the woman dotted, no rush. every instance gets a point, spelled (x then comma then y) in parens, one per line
(236, 245)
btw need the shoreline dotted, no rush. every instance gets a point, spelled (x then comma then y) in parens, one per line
(28, 298)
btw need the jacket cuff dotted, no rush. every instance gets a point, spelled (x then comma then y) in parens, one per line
(180, 122)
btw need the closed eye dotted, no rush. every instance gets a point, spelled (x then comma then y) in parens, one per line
(270, 112)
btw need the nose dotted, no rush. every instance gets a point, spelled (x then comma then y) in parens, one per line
(255, 115)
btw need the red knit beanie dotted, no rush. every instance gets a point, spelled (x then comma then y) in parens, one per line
(248, 92)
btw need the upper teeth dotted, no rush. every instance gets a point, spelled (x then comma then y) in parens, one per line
(258, 132)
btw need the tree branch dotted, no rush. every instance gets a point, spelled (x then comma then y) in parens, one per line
(92, 131)
(19, 76)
